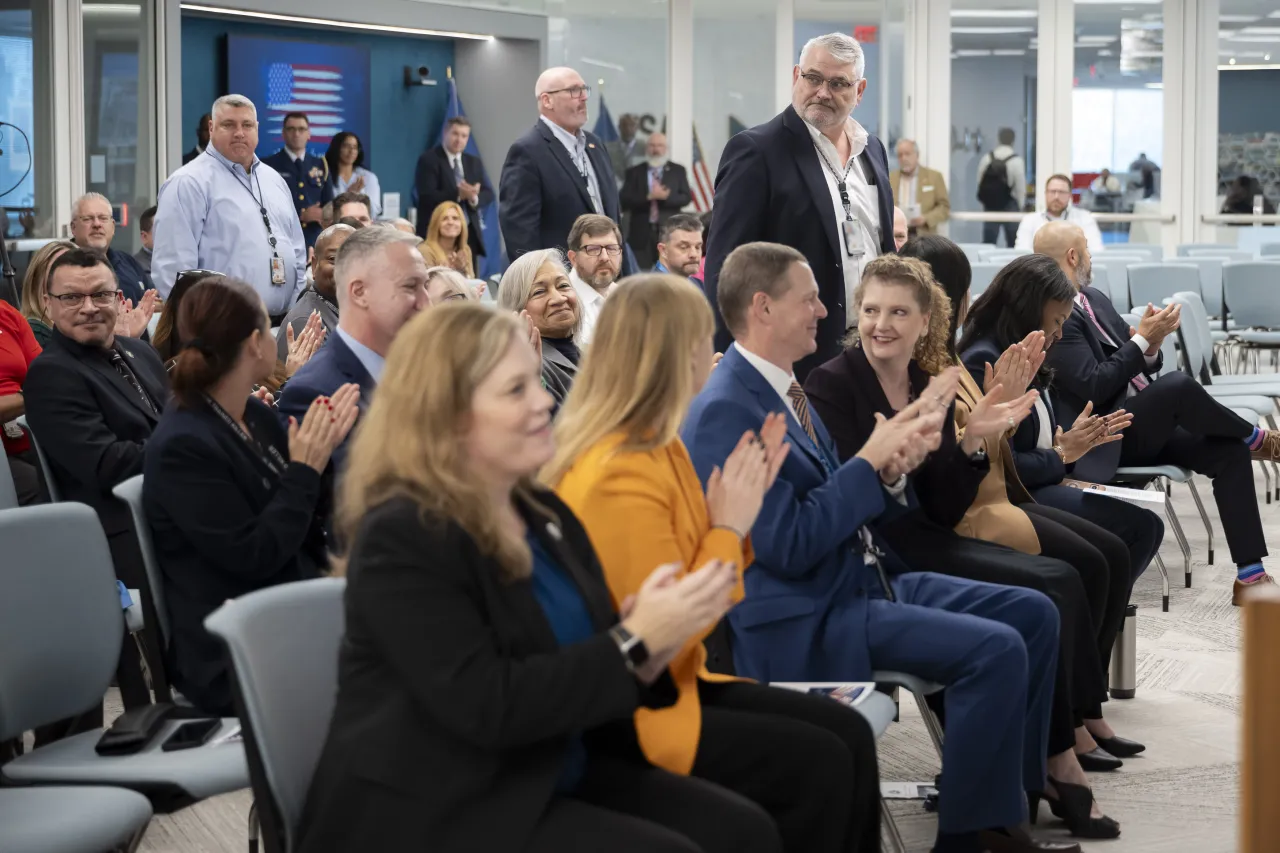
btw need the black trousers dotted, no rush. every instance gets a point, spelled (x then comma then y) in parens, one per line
(1141, 530)
(28, 479)
(1102, 561)
(1176, 422)
(991, 230)
(623, 807)
(809, 761)
(1079, 682)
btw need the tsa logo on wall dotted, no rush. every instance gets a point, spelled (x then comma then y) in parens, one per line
(328, 82)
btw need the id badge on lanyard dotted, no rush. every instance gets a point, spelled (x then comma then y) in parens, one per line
(277, 271)
(853, 238)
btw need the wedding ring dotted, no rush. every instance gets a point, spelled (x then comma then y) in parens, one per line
(1012, 422)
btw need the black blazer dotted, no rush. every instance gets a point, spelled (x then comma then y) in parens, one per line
(223, 525)
(91, 424)
(770, 177)
(328, 370)
(1086, 368)
(847, 395)
(1037, 467)
(635, 198)
(455, 702)
(543, 193)
(434, 180)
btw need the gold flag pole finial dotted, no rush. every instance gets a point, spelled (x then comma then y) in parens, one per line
(448, 72)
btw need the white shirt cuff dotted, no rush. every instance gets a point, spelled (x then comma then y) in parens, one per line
(1143, 343)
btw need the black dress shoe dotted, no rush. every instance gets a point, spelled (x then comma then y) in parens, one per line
(1120, 747)
(1016, 839)
(1098, 760)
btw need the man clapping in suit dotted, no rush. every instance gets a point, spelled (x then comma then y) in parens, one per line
(652, 193)
(448, 173)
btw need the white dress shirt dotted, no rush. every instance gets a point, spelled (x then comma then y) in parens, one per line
(455, 166)
(369, 359)
(591, 301)
(1033, 222)
(576, 145)
(865, 207)
(1044, 436)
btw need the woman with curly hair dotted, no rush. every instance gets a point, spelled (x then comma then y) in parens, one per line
(964, 523)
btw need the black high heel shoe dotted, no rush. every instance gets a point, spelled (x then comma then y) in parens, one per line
(1072, 806)
(1120, 747)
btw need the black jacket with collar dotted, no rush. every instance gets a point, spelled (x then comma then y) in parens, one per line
(435, 182)
(90, 422)
(455, 702)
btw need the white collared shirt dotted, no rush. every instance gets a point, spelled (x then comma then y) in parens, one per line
(1044, 436)
(295, 157)
(591, 301)
(1033, 222)
(369, 359)
(576, 145)
(864, 202)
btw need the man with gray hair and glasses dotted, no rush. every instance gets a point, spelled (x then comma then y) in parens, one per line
(228, 211)
(811, 178)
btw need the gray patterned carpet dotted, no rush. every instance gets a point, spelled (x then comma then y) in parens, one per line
(1180, 796)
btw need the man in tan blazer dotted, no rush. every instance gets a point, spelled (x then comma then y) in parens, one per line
(920, 192)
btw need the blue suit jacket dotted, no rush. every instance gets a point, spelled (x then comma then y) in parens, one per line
(132, 278)
(771, 178)
(332, 367)
(804, 614)
(543, 193)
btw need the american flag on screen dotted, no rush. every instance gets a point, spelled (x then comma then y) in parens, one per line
(703, 188)
(312, 89)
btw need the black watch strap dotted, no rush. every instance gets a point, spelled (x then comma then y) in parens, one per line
(634, 652)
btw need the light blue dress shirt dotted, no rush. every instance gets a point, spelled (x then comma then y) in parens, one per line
(369, 359)
(208, 218)
(371, 188)
(577, 148)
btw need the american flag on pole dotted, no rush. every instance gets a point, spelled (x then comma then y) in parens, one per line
(312, 89)
(703, 188)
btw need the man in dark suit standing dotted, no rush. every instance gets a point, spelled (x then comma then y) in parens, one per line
(448, 173)
(556, 172)
(1175, 420)
(93, 399)
(813, 179)
(307, 175)
(202, 139)
(653, 192)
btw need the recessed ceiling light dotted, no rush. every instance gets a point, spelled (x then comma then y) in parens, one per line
(969, 53)
(1096, 39)
(1255, 39)
(346, 25)
(1238, 19)
(996, 13)
(1260, 31)
(991, 31)
(1009, 52)
(1106, 53)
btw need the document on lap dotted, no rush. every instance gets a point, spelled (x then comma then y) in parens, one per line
(1142, 497)
(851, 693)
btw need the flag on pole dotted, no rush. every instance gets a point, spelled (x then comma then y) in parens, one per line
(490, 236)
(703, 188)
(605, 128)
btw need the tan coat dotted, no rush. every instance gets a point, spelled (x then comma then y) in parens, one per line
(931, 195)
(992, 515)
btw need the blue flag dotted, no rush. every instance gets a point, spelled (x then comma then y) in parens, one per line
(605, 128)
(491, 262)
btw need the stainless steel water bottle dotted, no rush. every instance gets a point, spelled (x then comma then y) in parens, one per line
(1124, 657)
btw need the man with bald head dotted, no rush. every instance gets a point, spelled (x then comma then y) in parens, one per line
(557, 171)
(653, 192)
(901, 233)
(321, 294)
(1102, 359)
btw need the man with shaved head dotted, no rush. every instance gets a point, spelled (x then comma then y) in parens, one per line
(1103, 360)
(321, 293)
(653, 192)
(557, 171)
(901, 232)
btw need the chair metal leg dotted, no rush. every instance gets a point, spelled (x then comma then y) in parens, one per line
(255, 828)
(896, 844)
(1182, 539)
(1204, 516)
(1266, 480)
(1164, 580)
(930, 722)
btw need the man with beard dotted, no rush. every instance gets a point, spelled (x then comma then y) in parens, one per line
(1058, 208)
(680, 249)
(811, 178)
(652, 193)
(595, 252)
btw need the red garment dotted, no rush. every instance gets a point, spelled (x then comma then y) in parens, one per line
(18, 348)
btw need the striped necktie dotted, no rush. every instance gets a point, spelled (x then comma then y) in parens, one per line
(117, 361)
(801, 403)
(1139, 381)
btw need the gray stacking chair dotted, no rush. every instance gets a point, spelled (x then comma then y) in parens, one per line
(61, 628)
(1185, 250)
(8, 491)
(284, 708)
(1154, 283)
(1154, 253)
(130, 491)
(50, 484)
(1267, 250)
(71, 820)
(983, 274)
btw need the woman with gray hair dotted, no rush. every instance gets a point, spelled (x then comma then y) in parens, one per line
(536, 286)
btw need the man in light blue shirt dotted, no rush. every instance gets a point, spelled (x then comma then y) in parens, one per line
(228, 211)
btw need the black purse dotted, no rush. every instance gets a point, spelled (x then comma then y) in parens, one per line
(134, 729)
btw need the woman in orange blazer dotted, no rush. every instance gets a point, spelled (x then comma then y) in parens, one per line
(621, 467)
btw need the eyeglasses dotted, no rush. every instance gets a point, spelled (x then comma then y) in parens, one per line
(594, 251)
(574, 91)
(101, 298)
(836, 85)
(102, 218)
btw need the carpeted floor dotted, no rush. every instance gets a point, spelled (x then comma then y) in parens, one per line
(1181, 795)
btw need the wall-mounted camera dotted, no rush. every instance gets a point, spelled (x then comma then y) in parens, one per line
(418, 76)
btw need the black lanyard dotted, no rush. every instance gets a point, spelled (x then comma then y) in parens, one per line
(269, 456)
(321, 297)
(261, 201)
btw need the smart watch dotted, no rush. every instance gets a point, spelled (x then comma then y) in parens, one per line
(634, 652)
